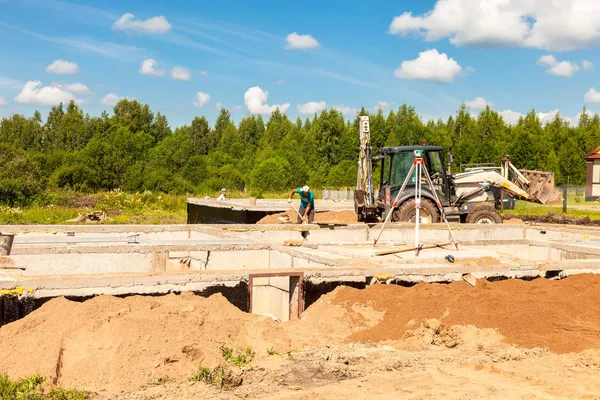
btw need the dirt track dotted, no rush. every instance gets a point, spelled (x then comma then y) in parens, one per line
(512, 339)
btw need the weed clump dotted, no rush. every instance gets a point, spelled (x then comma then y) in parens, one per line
(30, 388)
(242, 357)
(220, 376)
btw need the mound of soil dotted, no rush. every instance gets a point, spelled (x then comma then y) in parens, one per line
(324, 217)
(124, 343)
(120, 344)
(563, 315)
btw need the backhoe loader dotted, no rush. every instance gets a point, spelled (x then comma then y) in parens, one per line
(468, 197)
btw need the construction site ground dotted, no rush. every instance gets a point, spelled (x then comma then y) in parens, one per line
(508, 339)
(474, 330)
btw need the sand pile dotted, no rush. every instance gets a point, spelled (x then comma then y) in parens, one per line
(115, 344)
(120, 344)
(325, 217)
(563, 315)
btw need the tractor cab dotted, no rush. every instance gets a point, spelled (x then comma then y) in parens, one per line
(396, 163)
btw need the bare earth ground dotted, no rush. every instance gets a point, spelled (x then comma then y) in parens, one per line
(325, 217)
(508, 339)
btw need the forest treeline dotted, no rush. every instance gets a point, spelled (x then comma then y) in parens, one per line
(135, 149)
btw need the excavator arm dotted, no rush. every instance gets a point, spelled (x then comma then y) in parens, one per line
(533, 186)
(364, 196)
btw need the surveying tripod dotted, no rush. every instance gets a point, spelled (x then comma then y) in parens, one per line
(418, 166)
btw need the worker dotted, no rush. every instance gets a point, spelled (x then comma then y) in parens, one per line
(223, 195)
(307, 204)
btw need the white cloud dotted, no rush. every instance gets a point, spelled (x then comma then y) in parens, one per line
(203, 73)
(62, 67)
(152, 25)
(311, 107)
(180, 74)
(565, 69)
(345, 109)
(592, 96)
(383, 105)
(34, 94)
(587, 64)
(219, 106)
(300, 42)
(202, 99)
(280, 82)
(545, 24)
(549, 116)
(479, 103)
(430, 66)
(255, 100)
(510, 117)
(547, 59)
(111, 99)
(78, 88)
(2, 101)
(148, 67)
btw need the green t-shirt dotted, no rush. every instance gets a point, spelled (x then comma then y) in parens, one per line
(304, 200)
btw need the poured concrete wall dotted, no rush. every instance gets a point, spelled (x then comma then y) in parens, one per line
(271, 295)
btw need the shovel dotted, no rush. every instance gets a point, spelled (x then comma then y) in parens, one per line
(297, 212)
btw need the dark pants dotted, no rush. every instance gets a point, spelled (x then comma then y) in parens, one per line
(311, 215)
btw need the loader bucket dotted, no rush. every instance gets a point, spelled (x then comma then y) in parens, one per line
(541, 186)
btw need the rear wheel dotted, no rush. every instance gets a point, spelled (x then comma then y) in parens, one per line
(429, 214)
(484, 214)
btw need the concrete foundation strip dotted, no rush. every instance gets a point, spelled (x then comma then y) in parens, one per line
(404, 249)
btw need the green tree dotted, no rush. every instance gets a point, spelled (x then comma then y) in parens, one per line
(271, 175)
(19, 176)
(343, 175)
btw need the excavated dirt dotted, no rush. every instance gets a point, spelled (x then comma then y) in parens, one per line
(325, 217)
(563, 315)
(517, 339)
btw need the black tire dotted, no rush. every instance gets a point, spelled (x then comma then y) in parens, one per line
(429, 213)
(484, 214)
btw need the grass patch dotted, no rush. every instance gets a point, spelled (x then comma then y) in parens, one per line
(120, 207)
(272, 352)
(149, 208)
(526, 208)
(30, 388)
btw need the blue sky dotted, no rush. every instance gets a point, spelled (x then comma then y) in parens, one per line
(303, 56)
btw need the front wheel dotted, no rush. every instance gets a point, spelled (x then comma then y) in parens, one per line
(484, 214)
(429, 214)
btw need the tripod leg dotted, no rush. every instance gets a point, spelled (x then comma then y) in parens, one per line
(439, 205)
(417, 205)
(395, 203)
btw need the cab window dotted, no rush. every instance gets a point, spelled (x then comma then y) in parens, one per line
(435, 163)
(385, 171)
(401, 167)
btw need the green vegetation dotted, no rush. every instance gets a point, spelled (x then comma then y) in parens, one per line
(241, 358)
(136, 151)
(272, 352)
(525, 208)
(219, 376)
(204, 374)
(120, 207)
(30, 388)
